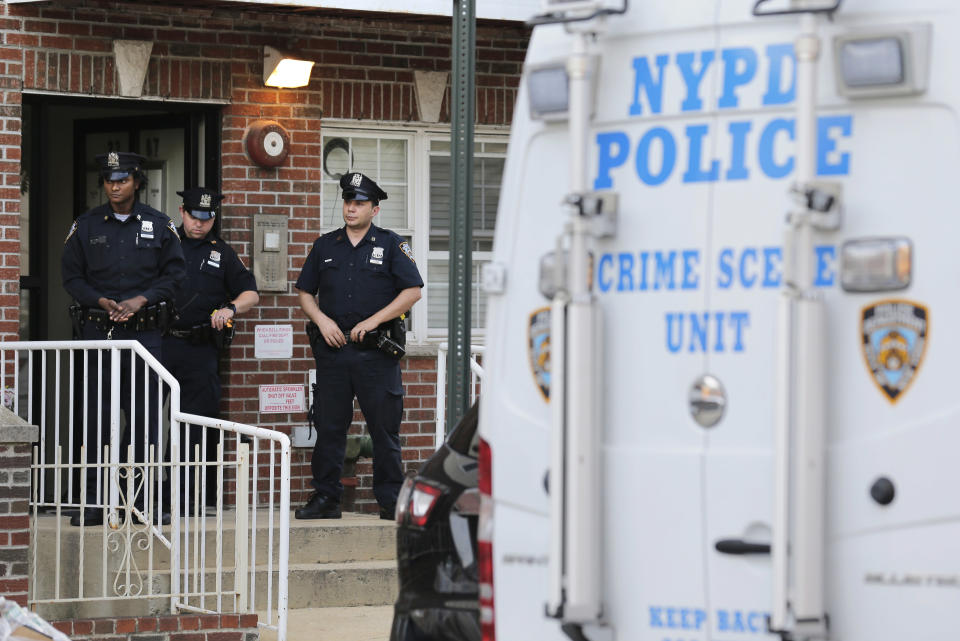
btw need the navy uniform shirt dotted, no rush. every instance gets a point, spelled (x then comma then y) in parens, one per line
(119, 260)
(354, 283)
(215, 276)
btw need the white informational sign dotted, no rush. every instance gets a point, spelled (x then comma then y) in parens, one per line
(273, 341)
(281, 399)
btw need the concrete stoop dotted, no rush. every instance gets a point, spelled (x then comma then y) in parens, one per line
(345, 563)
(358, 623)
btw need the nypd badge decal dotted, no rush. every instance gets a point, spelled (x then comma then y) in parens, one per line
(894, 339)
(538, 346)
(405, 248)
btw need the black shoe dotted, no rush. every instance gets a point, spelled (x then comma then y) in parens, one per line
(91, 516)
(319, 507)
(388, 513)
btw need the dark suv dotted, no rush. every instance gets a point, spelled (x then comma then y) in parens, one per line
(437, 514)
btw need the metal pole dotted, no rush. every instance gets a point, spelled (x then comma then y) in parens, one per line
(461, 209)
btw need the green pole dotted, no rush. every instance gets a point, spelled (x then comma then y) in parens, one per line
(461, 208)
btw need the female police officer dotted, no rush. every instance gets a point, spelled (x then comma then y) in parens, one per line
(363, 278)
(121, 263)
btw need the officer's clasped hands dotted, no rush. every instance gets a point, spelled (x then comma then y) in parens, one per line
(124, 310)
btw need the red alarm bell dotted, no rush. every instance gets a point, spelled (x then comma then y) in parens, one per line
(268, 143)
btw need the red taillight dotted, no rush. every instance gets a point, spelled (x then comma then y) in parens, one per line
(485, 544)
(422, 500)
(484, 482)
(485, 576)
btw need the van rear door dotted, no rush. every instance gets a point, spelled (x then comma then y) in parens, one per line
(651, 284)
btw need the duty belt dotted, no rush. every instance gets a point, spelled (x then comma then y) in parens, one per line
(202, 334)
(147, 318)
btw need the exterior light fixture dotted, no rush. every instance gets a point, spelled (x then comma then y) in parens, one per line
(885, 61)
(284, 70)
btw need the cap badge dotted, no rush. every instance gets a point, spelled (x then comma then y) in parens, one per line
(894, 340)
(204, 200)
(356, 179)
(113, 160)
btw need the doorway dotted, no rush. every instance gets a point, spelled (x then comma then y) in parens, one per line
(61, 137)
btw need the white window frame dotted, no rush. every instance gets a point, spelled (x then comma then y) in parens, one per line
(418, 202)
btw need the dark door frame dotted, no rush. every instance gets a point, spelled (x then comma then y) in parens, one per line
(189, 115)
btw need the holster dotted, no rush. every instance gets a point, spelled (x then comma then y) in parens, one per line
(76, 319)
(223, 337)
(383, 339)
(314, 335)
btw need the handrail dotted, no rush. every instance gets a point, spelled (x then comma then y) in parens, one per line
(177, 417)
(476, 377)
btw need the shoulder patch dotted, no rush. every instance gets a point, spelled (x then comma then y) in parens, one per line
(73, 230)
(172, 229)
(405, 248)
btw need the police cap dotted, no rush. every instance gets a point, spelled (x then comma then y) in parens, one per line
(117, 165)
(200, 202)
(356, 186)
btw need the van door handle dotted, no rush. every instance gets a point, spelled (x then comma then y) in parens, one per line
(739, 546)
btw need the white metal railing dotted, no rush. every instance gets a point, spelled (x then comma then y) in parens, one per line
(476, 379)
(60, 386)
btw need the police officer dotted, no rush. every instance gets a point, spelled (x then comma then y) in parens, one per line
(121, 263)
(217, 288)
(355, 283)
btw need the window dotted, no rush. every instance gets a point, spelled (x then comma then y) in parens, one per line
(385, 159)
(414, 168)
(488, 159)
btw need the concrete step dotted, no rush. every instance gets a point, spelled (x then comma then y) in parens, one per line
(355, 537)
(311, 585)
(361, 623)
(333, 563)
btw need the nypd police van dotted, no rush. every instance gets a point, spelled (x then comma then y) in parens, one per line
(720, 402)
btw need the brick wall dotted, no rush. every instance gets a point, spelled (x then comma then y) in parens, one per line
(14, 520)
(364, 71)
(182, 627)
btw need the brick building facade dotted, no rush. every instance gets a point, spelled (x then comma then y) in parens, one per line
(57, 57)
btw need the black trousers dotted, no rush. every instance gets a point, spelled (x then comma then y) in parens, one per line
(374, 379)
(142, 417)
(195, 368)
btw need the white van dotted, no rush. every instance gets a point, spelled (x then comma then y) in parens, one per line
(716, 406)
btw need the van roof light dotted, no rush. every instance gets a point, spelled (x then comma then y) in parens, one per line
(868, 63)
(548, 89)
(886, 61)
